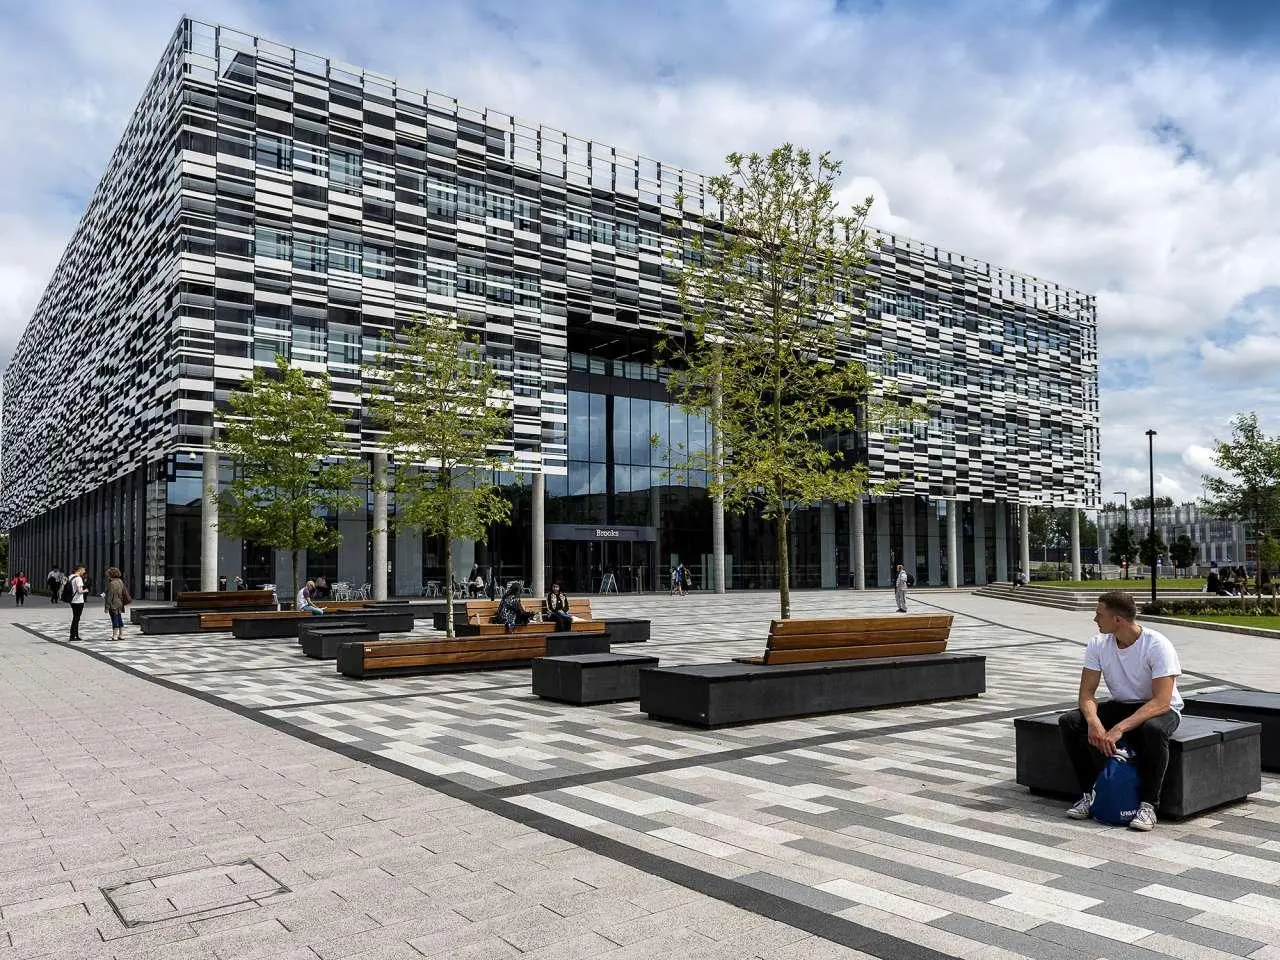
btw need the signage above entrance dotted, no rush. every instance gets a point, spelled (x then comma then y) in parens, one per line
(571, 531)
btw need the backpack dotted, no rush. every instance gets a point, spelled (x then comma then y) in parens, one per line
(911, 580)
(1115, 792)
(67, 592)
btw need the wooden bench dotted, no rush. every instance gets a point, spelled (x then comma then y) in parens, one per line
(480, 614)
(854, 638)
(225, 599)
(389, 658)
(224, 620)
(819, 666)
(285, 624)
(1211, 762)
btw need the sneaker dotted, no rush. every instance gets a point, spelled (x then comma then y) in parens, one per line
(1144, 819)
(1080, 811)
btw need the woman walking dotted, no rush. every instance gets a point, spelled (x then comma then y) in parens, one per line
(21, 587)
(117, 598)
(78, 594)
(900, 588)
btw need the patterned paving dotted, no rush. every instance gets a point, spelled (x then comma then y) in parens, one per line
(904, 821)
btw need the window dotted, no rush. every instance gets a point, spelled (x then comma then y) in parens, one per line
(274, 153)
(378, 260)
(344, 253)
(344, 346)
(310, 252)
(345, 171)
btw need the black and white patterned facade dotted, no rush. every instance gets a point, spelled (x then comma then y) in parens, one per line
(264, 200)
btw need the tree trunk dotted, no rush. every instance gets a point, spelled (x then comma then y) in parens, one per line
(784, 567)
(448, 564)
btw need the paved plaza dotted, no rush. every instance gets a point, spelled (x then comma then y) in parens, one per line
(192, 797)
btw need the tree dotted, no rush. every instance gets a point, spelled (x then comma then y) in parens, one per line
(1144, 503)
(1123, 547)
(768, 301)
(444, 410)
(282, 436)
(1151, 548)
(1183, 552)
(1250, 492)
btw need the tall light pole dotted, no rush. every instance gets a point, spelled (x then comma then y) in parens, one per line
(1127, 535)
(1151, 506)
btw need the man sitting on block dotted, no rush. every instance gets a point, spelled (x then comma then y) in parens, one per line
(1141, 669)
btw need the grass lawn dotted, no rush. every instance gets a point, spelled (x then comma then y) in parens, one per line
(1234, 620)
(1133, 583)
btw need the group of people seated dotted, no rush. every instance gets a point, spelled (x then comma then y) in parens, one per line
(511, 611)
(1234, 581)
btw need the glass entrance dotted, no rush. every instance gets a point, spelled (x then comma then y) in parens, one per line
(581, 566)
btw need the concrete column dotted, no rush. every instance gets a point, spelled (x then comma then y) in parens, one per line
(1002, 541)
(464, 555)
(884, 549)
(909, 536)
(717, 502)
(858, 544)
(379, 527)
(353, 551)
(209, 521)
(953, 545)
(1075, 543)
(932, 546)
(408, 564)
(231, 558)
(827, 543)
(1024, 533)
(979, 543)
(539, 534)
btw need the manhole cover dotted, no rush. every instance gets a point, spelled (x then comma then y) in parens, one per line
(224, 888)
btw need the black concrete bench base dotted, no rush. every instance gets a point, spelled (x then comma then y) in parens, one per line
(590, 677)
(139, 615)
(155, 623)
(1247, 706)
(627, 630)
(1211, 762)
(271, 628)
(322, 643)
(351, 657)
(717, 694)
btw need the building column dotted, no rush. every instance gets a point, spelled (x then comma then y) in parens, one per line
(979, 543)
(884, 555)
(827, 543)
(209, 521)
(858, 545)
(408, 562)
(717, 502)
(932, 546)
(1075, 543)
(909, 536)
(1002, 541)
(539, 534)
(379, 526)
(953, 545)
(1024, 533)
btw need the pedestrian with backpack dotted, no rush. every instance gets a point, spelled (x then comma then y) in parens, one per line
(74, 593)
(116, 599)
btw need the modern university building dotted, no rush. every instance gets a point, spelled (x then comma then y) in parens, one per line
(267, 202)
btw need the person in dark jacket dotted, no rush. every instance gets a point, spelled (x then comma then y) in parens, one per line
(115, 600)
(510, 610)
(558, 608)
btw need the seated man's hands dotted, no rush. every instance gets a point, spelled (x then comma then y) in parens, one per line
(1102, 739)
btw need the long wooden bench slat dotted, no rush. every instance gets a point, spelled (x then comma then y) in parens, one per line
(467, 656)
(397, 647)
(578, 606)
(210, 599)
(802, 641)
(546, 626)
(864, 652)
(853, 624)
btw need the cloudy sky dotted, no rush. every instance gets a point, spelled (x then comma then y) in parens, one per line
(1130, 148)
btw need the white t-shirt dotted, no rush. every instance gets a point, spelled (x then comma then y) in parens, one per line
(77, 590)
(303, 600)
(1128, 673)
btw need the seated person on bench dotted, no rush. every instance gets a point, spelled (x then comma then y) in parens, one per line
(1141, 669)
(305, 595)
(510, 610)
(558, 608)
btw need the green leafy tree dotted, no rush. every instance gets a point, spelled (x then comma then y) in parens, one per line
(1123, 546)
(1250, 490)
(1182, 552)
(285, 442)
(1144, 503)
(768, 300)
(445, 411)
(1151, 547)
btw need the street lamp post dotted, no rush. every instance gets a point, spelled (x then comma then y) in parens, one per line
(1125, 558)
(1151, 505)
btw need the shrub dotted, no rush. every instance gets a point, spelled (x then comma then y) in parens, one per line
(1239, 606)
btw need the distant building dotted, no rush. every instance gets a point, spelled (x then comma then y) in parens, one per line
(1220, 541)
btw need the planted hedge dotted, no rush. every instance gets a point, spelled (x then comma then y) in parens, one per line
(1239, 606)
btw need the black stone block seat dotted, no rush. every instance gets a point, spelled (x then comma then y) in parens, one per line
(590, 677)
(1248, 706)
(718, 694)
(169, 620)
(1211, 762)
(390, 658)
(627, 630)
(420, 609)
(285, 625)
(322, 643)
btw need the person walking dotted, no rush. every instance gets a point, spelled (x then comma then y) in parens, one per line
(900, 587)
(21, 587)
(78, 594)
(54, 580)
(116, 599)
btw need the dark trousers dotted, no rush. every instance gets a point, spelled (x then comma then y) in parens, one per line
(77, 610)
(564, 621)
(1150, 741)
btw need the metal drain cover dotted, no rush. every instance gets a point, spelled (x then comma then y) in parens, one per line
(212, 890)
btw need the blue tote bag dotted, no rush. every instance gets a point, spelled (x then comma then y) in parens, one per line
(1115, 792)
